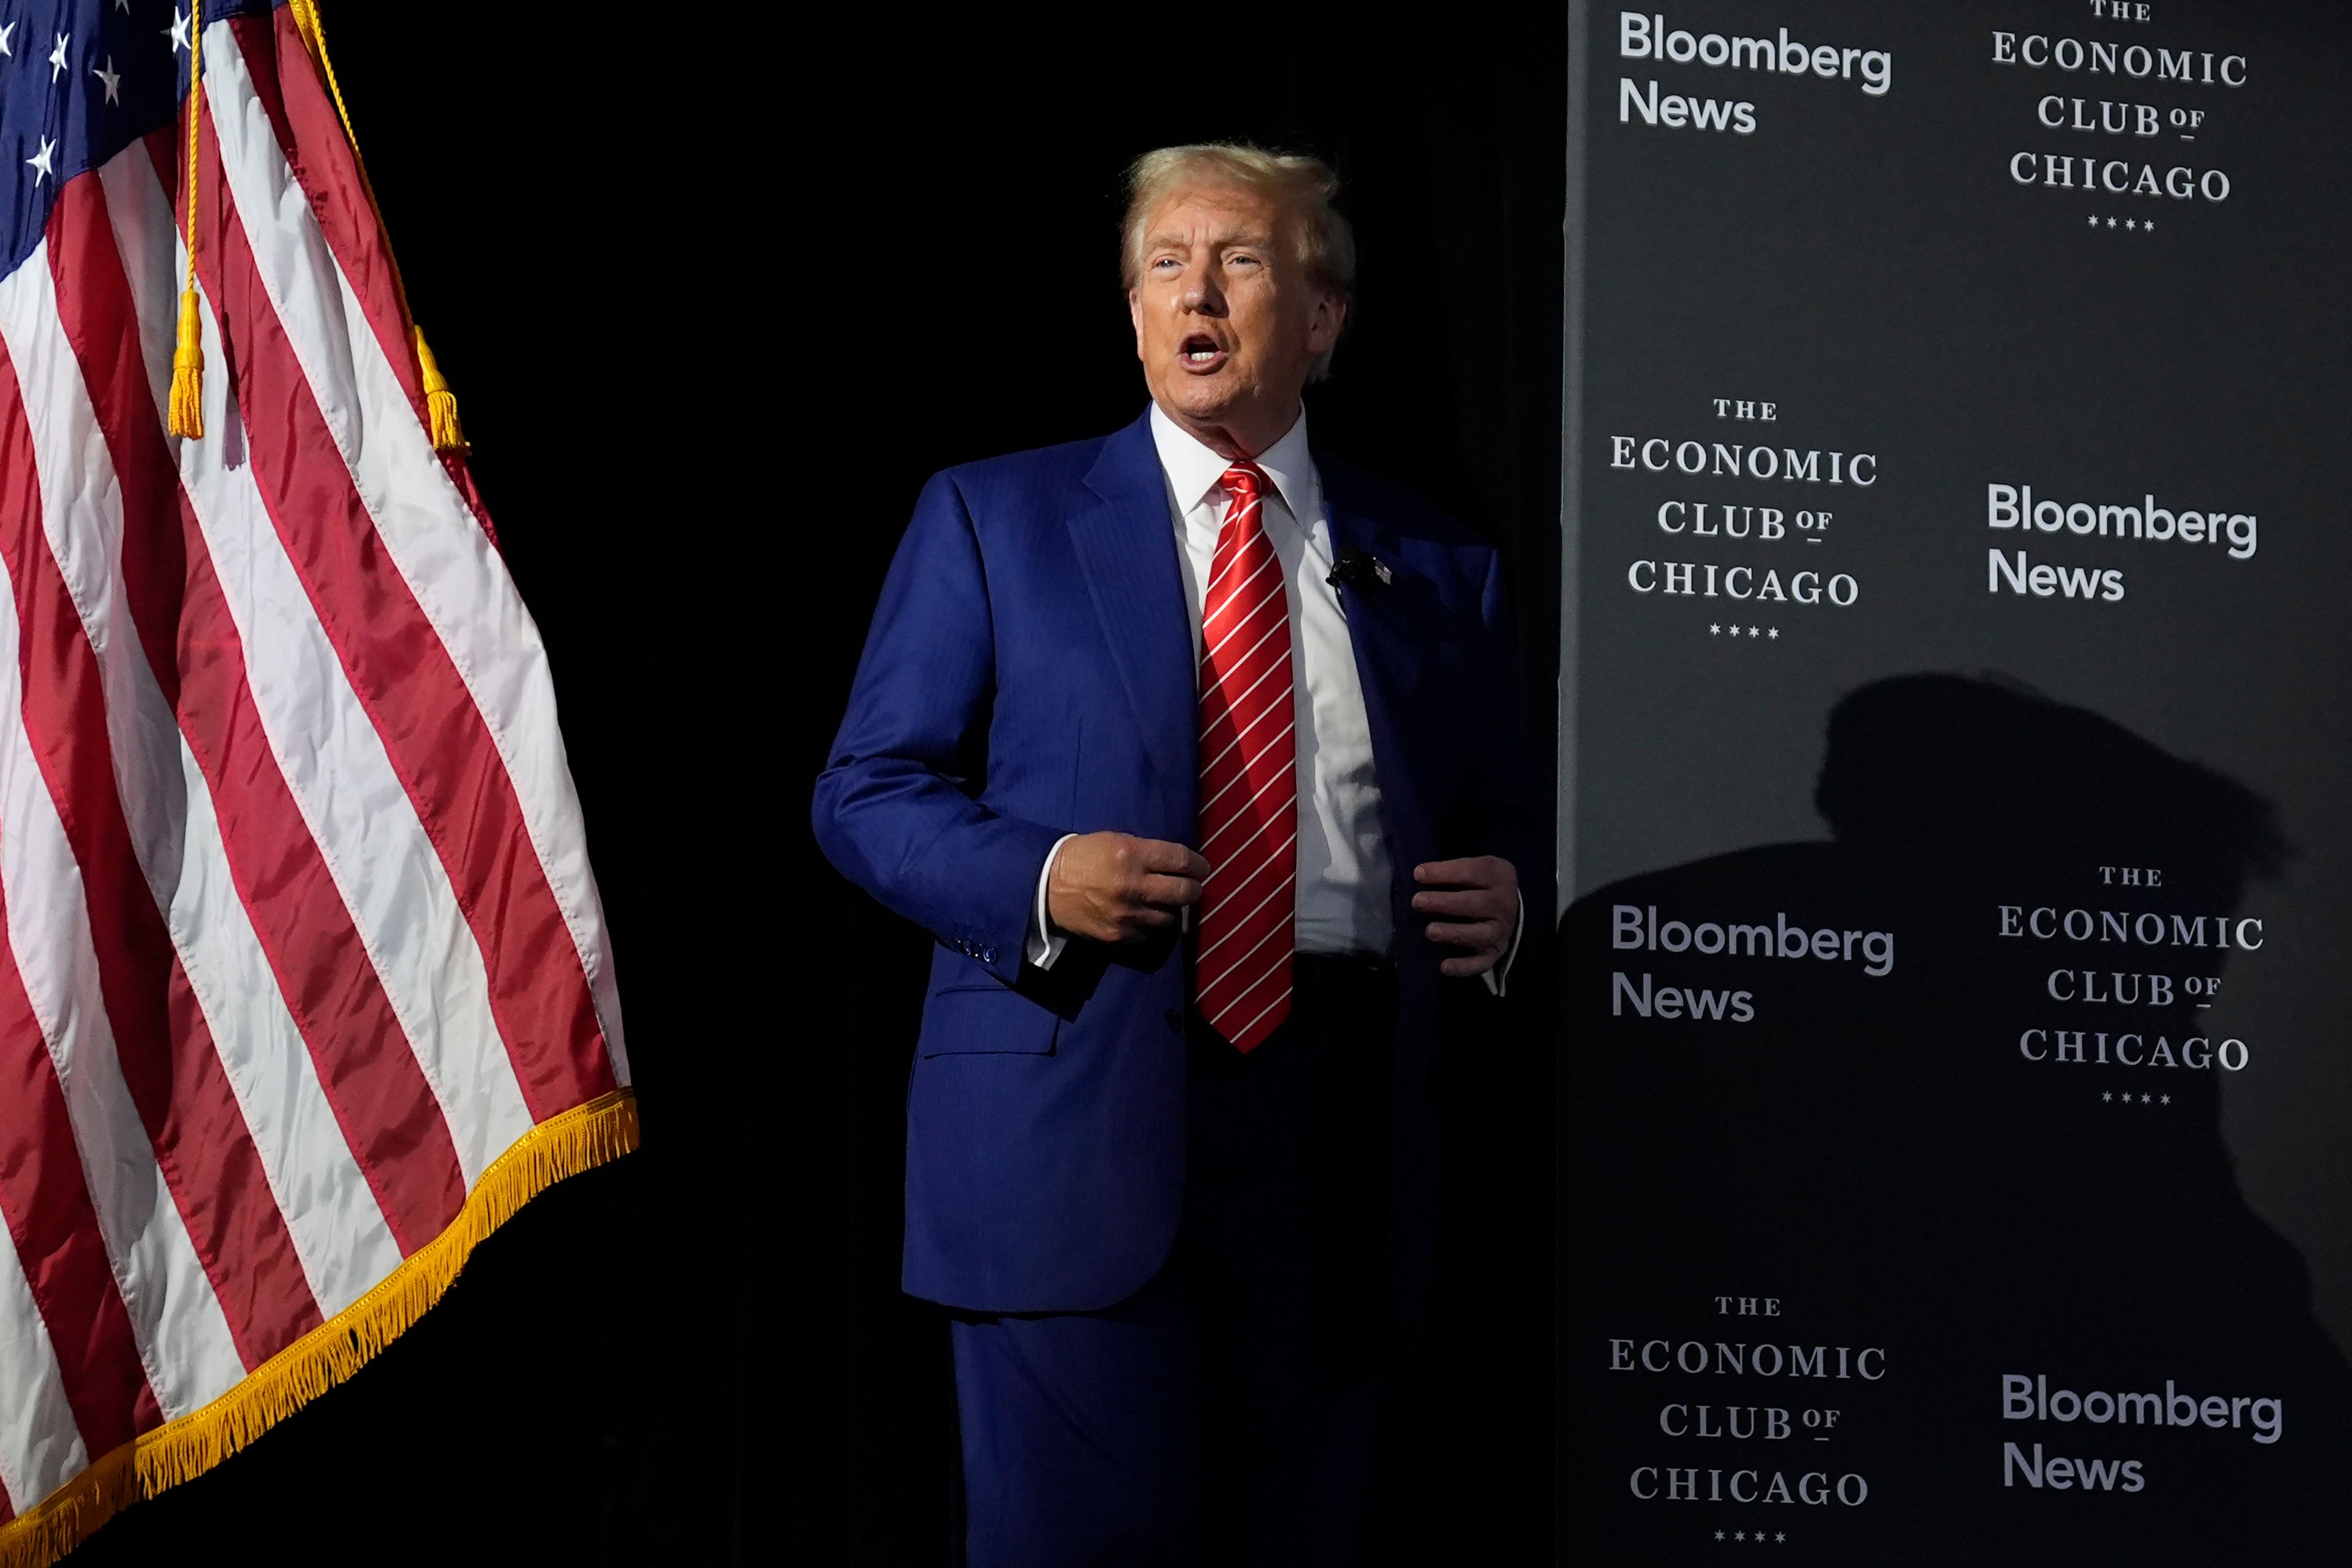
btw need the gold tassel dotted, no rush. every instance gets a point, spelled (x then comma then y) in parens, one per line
(440, 402)
(186, 416)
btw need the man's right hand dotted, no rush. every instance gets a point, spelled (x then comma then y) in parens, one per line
(1116, 887)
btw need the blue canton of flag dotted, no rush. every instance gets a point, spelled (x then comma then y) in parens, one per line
(80, 80)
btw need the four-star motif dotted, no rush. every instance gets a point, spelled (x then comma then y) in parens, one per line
(42, 162)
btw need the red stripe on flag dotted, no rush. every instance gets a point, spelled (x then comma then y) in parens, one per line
(293, 92)
(436, 739)
(382, 1101)
(287, 84)
(174, 1078)
(45, 1196)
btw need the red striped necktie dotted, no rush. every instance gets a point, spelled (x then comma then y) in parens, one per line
(1249, 781)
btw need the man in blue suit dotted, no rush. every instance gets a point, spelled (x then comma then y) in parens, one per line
(1199, 754)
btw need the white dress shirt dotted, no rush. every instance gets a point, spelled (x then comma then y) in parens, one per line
(1344, 878)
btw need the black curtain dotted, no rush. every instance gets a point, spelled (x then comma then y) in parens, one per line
(715, 306)
(962, 195)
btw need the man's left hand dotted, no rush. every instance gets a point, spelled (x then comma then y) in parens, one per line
(1478, 903)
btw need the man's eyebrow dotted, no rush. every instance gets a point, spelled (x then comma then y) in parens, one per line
(1227, 239)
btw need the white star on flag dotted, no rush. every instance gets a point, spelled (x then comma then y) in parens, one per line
(6, 28)
(57, 56)
(112, 78)
(179, 30)
(40, 160)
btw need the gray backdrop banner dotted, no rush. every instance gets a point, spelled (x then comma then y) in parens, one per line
(1955, 785)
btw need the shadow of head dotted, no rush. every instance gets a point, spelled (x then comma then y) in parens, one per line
(1986, 778)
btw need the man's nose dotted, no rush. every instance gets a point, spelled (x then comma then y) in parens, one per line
(1202, 296)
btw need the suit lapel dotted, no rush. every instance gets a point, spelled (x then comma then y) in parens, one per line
(1127, 549)
(1390, 665)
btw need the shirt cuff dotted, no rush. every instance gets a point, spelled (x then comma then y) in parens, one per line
(1499, 976)
(1044, 943)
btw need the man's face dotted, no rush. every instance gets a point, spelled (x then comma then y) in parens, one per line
(1227, 323)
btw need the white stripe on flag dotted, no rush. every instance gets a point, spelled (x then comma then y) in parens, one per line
(40, 1446)
(432, 540)
(338, 1228)
(337, 1231)
(184, 1338)
(404, 908)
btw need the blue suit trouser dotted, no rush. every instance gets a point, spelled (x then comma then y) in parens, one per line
(1229, 1412)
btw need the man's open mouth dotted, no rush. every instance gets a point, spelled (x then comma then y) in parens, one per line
(1200, 351)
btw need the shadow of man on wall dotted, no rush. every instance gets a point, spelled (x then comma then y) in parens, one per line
(1926, 1120)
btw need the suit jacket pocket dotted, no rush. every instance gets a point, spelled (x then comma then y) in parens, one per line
(985, 1020)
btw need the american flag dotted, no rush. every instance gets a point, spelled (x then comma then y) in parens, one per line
(305, 983)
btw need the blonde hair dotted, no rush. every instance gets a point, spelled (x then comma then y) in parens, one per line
(1302, 184)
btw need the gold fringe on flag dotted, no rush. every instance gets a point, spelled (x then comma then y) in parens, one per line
(563, 1145)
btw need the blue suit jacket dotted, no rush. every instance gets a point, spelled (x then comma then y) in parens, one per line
(1030, 673)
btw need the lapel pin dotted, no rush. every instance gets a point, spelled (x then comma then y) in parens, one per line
(1357, 570)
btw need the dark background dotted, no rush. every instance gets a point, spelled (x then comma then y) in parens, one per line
(707, 354)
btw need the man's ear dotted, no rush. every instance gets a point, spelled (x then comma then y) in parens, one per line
(1323, 327)
(1135, 319)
